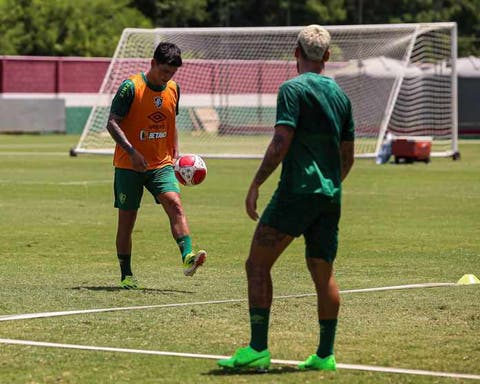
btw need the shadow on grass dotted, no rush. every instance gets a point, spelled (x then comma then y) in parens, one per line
(145, 290)
(234, 372)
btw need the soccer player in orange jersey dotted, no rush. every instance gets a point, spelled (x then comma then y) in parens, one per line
(142, 123)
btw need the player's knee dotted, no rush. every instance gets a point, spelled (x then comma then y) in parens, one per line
(254, 268)
(174, 207)
(177, 208)
(126, 220)
(328, 292)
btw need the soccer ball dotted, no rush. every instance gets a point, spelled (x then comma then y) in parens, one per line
(190, 170)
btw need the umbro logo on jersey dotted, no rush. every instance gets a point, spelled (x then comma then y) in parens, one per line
(158, 101)
(157, 117)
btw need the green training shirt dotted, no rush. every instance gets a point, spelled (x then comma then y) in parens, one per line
(321, 114)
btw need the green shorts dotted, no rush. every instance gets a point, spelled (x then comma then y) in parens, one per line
(314, 216)
(128, 185)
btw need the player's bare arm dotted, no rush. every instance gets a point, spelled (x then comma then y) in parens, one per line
(113, 127)
(347, 152)
(276, 151)
(176, 152)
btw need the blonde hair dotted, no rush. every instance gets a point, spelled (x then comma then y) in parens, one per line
(314, 41)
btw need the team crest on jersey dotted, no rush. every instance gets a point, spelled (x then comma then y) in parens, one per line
(158, 101)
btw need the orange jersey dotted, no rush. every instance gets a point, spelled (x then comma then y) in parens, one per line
(149, 124)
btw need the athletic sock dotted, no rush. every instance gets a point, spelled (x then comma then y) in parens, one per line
(185, 245)
(259, 318)
(328, 329)
(125, 266)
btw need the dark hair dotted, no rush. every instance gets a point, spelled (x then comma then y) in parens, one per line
(168, 53)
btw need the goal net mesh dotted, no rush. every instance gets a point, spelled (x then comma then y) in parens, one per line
(400, 78)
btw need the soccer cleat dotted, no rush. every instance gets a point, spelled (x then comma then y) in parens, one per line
(130, 282)
(247, 358)
(317, 363)
(192, 261)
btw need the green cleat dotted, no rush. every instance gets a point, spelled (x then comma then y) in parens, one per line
(247, 358)
(130, 282)
(317, 363)
(192, 261)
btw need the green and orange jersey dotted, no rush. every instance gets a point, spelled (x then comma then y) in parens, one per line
(148, 122)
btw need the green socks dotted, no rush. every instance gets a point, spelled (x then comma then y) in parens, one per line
(185, 245)
(259, 318)
(327, 337)
(125, 266)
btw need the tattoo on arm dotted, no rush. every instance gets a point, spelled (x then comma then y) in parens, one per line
(113, 127)
(274, 155)
(269, 163)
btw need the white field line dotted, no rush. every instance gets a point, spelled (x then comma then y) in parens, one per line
(29, 145)
(28, 153)
(216, 357)
(114, 309)
(80, 182)
(398, 287)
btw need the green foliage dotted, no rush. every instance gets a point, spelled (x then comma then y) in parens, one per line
(465, 12)
(239, 13)
(65, 27)
(326, 12)
(92, 27)
(173, 13)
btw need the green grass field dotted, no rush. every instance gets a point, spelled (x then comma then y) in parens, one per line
(401, 224)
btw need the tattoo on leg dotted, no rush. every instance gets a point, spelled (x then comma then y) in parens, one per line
(259, 285)
(267, 236)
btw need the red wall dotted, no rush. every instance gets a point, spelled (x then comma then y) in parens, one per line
(34, 74)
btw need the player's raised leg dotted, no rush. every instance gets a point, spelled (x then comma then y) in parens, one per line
(172, 205)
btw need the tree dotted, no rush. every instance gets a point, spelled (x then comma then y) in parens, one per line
(465, 12)
(173, 13)
(65, 27)
(92, 27)
(238, 13)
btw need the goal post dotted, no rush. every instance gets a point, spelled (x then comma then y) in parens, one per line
(401, 78)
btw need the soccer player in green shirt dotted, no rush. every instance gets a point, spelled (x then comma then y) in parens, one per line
(314, 141)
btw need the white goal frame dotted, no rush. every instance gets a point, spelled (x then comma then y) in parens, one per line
(420, 98)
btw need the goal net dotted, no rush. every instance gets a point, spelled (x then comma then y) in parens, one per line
(401, 78)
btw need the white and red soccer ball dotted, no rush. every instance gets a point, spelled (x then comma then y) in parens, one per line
(190, 169)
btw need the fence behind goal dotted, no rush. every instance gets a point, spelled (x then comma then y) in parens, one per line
(401, 78)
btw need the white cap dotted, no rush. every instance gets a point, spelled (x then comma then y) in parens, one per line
(314, 40)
